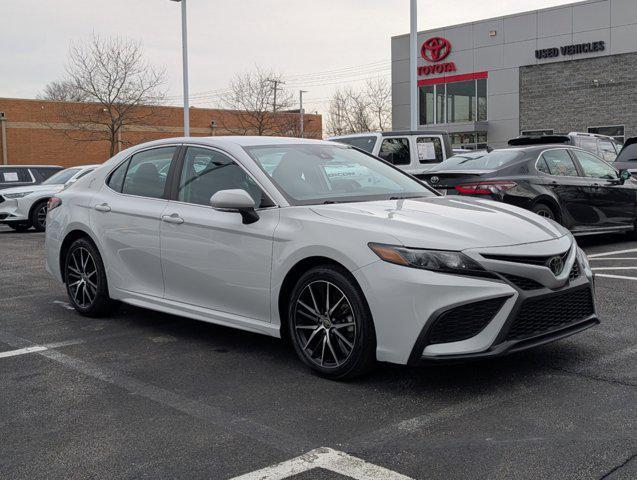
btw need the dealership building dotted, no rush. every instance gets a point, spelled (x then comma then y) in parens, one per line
(556, 70)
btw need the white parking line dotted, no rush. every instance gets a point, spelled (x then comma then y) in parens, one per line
(327, 459)
(620, 277)
(617, 252)
(601, 259)
(63, 304)
(613, 268)
(22, 351)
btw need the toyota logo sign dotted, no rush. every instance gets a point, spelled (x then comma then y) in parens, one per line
(434, 180)
(435, 49)
(556, 264)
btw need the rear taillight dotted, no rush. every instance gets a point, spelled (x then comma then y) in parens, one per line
(485, 188)
(54, 202)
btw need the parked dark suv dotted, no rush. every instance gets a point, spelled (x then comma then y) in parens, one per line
(23, 175)
(564, 183)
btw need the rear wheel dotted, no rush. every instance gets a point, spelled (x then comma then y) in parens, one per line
(543, 210)
(38, 216)
(330, 324)
(86, 280)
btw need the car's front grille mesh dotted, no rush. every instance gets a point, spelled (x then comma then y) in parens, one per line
(530, 260)
(465, 321)
(523, 283)
(543, 314)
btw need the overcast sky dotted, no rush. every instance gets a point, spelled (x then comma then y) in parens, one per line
(301, 39)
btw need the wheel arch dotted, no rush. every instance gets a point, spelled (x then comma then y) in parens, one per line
(71, 237)
(36, 203)
(292, 276)
(552, 203)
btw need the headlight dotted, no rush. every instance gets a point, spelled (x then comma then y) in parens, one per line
(16, 195)
(435, 260)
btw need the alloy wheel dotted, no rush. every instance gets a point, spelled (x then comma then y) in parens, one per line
(324, 324)
(82, 277)
(41, 216)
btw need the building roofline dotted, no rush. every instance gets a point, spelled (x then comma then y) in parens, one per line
(510, 15)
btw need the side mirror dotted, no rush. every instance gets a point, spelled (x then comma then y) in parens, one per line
(624, 175)
(235, 201)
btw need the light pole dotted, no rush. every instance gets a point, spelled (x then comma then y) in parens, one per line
(184, 48)
(301, 112)
(413, 62)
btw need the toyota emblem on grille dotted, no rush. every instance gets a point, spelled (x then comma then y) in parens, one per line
(434, 180)
(556, 264)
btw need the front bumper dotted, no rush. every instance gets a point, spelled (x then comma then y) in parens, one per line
(406, 304)
(10, 211)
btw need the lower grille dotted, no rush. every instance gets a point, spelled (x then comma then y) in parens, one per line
(523, 283)
(542, 315)
(464, 322)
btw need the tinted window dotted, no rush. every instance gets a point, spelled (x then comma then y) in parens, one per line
(364, 143)
(395, 150)
(206, 172)
(315, 174)
(147, 173)
(116, 180)
(560, 163)
(429, 149)
(14, 175)
(481, 160)
(594, 167)
(45, 173)
(628, 153)
(62, 177)
(542, 166)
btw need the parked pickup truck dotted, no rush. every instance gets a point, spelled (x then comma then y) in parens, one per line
(415, 152)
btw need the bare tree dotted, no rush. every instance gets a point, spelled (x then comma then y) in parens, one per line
(116, 83)
(258, 99)
(62, 91)
(352, 111)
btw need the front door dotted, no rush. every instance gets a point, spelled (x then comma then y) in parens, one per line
(210, 258)
(613, 201)
(126, 216)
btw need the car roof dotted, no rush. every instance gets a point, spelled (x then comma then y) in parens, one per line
(248, 141)
(391, 133)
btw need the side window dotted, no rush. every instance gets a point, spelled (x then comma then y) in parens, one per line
(607, 150)
(429, 149)
(116, 180)
(147, 173)
(560, 163)
(205, 172)
(45, 173)
(594, 167)
(395, 150)
(542, 166)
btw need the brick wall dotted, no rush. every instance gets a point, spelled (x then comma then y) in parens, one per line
(36, 132)
(589, 92)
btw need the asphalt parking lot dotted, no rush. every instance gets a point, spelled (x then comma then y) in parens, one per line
(148, 395)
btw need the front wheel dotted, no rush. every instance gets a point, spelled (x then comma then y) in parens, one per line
(86, 280)
(38, 216)
(543, 210)
(330, 324)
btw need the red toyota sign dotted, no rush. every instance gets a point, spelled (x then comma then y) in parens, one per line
(434, 50)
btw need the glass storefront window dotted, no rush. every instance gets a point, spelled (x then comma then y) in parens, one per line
(453, 102)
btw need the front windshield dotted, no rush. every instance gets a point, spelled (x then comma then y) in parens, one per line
(482, 160)
(62, 177)
(314, 174)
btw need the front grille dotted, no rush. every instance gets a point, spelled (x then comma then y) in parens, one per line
(575, 271)
(544, 314)
(530, 260)
(523, 283)
(464, 321)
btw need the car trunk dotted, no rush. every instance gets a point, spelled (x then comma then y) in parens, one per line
(446, 181)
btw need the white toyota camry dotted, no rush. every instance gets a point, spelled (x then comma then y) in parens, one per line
(350, 258)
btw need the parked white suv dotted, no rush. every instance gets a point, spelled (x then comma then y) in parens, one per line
(414, 152)
(24, 207)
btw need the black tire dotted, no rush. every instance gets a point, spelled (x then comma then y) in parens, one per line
(347, 327)
(21, 227)
(38, 216)
(543, 210)
(87, 291)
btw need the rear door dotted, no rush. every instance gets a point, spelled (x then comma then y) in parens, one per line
(612, 201)
(569, 187)
(126, 216)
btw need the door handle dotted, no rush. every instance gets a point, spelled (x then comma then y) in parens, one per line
(174, 218)
(595, 186)
(103, 207)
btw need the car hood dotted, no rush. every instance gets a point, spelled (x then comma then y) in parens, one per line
(446, 223)
(46, 189)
